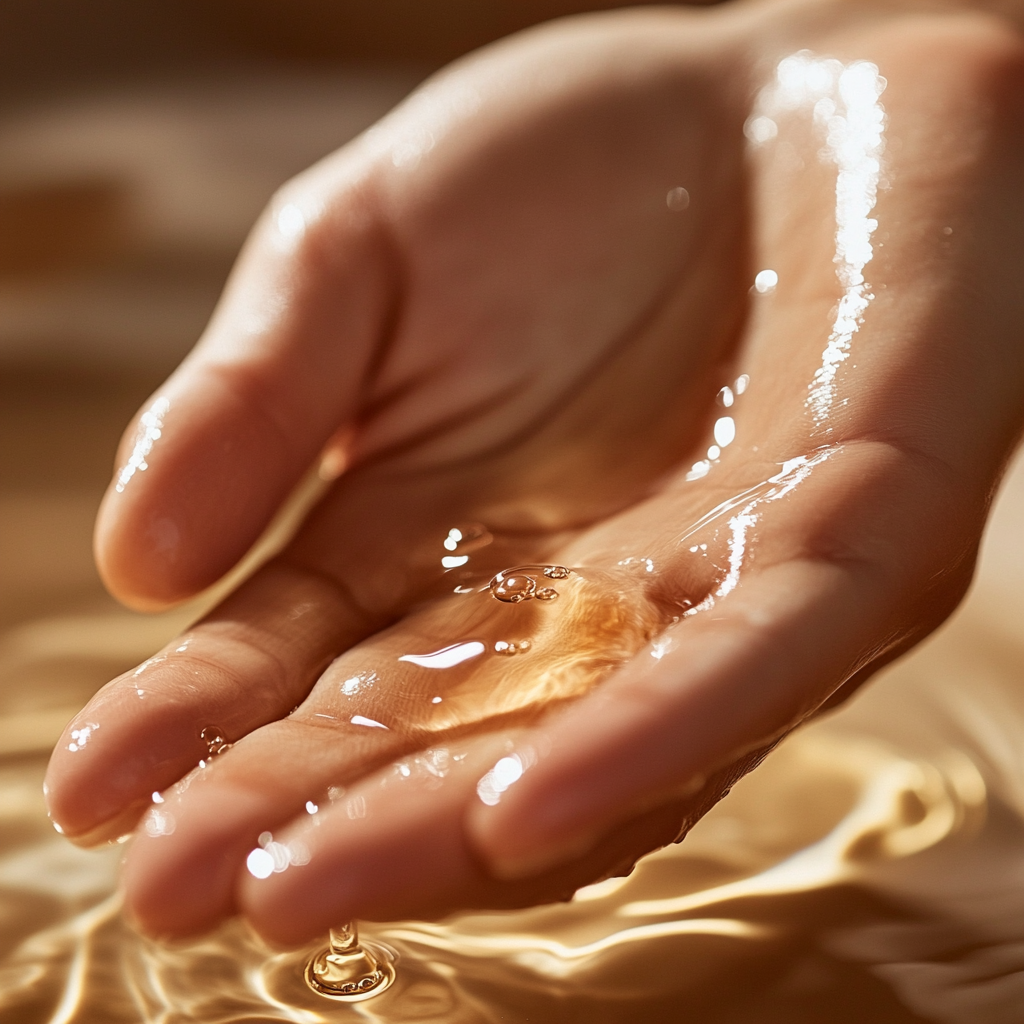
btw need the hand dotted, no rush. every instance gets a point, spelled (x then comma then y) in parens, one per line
(498, 315)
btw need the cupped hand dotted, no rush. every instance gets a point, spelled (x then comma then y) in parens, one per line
(607, 519)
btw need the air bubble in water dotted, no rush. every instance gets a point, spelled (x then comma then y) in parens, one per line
(520, 583)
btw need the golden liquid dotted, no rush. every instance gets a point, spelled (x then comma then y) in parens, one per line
(505, 648)
(868, 871)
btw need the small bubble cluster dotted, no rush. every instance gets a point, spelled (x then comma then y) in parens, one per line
(510, 647)
(521, 583)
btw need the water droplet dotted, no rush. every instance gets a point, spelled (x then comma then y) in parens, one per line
(446, 657)
(677, 199)
(462, 541)
(520, 583)
(158, 823)
(260, 864)
(725, 431)
(213, 738)
(510, 647)
(363, 720)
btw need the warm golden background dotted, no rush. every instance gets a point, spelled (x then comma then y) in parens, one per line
(869, 873)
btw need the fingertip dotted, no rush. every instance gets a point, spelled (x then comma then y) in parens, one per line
(517, 832)
(294, 888)
(511, 853)
(179, 873)
(83, 787)
(204, 474)
(128, 566)
(390, 849)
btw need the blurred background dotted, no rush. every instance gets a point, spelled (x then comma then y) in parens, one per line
(138, 142)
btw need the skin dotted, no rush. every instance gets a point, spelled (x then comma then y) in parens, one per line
(490, 315)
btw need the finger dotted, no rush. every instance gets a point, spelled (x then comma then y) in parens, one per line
(471, 661)
(751, 665)
(248, 662)
(180, 872)
(278, 371)
(394, 846)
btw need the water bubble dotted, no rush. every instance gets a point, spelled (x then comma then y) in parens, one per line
(213, 737)
(510, 647)
(514, 589)
(520, 583)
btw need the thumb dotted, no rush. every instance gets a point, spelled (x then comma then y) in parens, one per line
(280, 368)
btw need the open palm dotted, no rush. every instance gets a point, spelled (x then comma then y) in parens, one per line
(606, 521)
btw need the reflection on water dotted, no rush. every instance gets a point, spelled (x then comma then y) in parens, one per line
(870, 870)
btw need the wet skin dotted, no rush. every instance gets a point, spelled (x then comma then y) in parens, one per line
(489, 311)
